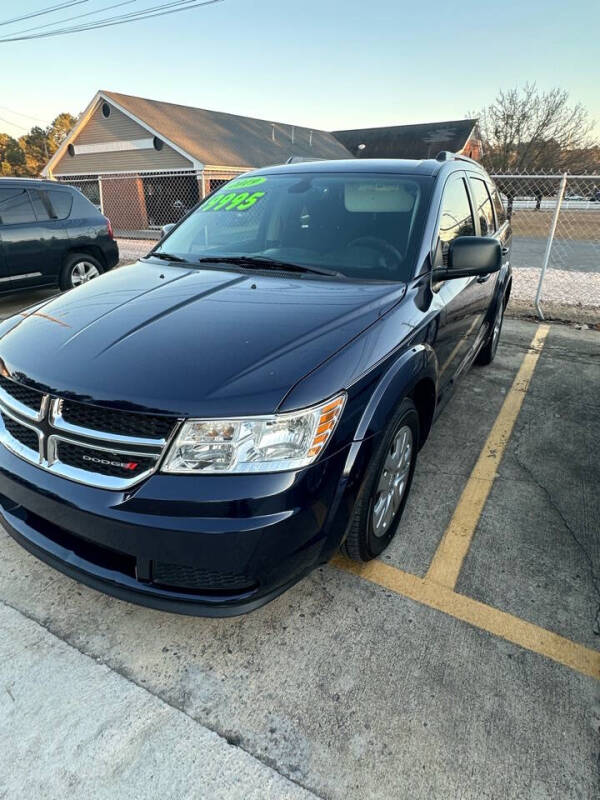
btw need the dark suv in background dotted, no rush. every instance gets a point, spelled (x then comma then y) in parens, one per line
(50, 234)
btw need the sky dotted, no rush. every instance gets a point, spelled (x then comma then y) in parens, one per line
(330, 64)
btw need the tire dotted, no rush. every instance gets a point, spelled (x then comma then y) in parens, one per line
(79, 268)
(371, 529)
(488, 352)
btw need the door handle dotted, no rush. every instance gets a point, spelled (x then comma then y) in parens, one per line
(483, 278)
(505, 251)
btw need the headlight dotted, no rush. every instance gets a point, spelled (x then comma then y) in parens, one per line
(254, 444)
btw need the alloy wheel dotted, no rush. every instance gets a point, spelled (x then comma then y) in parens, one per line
(392, 481)
(83, 272)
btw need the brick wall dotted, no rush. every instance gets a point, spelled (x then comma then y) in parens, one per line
(123, 202)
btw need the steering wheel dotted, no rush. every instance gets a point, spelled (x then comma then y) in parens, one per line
(385, 248)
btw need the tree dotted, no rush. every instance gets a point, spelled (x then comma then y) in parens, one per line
(59, 130)
(29, 155)
(35, 147)
(526, 130)
(12, 156)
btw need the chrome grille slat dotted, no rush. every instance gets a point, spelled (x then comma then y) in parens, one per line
(12, 403)
(106, 453)
(13, 444)
(66, 470)
(60, 423)
(118, 425)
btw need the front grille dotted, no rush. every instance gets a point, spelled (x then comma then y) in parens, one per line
(113, 464)
(177, 576)
(118, 423)
(100, 447)
(22, 394)
(26, 436)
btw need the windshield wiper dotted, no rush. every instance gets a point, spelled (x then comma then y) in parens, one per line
(263, 262)
(165, 256)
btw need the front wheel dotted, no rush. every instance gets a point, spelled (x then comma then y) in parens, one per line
(384, 492)
(79, 268)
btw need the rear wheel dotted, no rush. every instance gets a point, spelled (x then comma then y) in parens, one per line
(79, 268)
(488, 352)
(383, 495)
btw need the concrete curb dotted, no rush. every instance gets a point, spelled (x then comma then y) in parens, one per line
(71, 727)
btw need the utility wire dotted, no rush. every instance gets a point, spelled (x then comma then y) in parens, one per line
(19, 114)
(160, 11)
(42, 11)
(14, 124)
(68, 19)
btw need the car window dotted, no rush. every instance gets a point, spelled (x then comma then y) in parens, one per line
(42, 211)
(366, 226)
(61, 202)
(230, 229)
(15, 206)
(456, 218)
(498, 207)
(483, 207)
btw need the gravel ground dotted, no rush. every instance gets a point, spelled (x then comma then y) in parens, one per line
(565, 294)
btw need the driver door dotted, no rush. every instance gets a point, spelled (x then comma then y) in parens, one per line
(459, 299)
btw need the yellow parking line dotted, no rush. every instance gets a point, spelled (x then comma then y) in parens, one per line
(499, 623)
(454, 546)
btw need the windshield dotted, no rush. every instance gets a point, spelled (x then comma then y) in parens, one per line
(365, 226)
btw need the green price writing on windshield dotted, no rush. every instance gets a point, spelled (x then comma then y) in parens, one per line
(232, 201)
(245, 182)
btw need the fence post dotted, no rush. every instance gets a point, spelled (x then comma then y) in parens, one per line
(100, 193)
(559, 199)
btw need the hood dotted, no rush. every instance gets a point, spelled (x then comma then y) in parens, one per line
(188, 342)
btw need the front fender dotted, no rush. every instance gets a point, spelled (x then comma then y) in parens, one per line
(397, 380)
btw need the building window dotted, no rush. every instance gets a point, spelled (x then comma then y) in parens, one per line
(105, 110)
(71, 150)
(158, 143)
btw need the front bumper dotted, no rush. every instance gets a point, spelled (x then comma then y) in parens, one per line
(220, 545)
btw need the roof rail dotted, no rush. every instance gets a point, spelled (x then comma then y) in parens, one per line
(447, 155)
(303, 159)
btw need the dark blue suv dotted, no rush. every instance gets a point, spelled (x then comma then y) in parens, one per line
(51, 235)
(199, 430)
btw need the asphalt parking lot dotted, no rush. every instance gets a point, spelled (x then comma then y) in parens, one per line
(464, 663)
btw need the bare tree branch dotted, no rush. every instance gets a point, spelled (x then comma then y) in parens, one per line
(527, 130)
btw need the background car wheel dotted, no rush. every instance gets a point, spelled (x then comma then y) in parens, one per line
(79, 268)
(488, 351)
(382, 497)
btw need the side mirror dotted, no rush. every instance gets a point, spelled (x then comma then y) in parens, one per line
(166, 229)
(470, 256)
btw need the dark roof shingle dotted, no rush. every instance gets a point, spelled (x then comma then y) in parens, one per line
(229, 140)
(408, 141)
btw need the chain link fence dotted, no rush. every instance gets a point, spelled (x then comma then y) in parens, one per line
(555, 221)
(556, 243)
(139, 205)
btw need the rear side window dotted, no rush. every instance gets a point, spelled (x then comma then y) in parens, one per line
(457, 217)
(40, 206)
(498, 207)
(483, 207)
(15, 206)
(61, 202)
